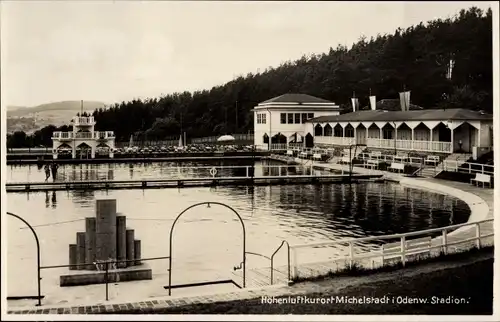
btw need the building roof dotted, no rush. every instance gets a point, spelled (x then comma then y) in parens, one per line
(418, 115)
(296, 98)
(392, 105)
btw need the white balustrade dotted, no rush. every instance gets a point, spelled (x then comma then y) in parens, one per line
(410, 245)
(416, 145)
(83, 120)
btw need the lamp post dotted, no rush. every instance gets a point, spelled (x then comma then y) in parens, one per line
(395, 138)
(253, 161)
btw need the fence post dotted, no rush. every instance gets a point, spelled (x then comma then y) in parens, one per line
(382, 249)
(469, 168)
(247, 171)
(106, 280)
(478, 236)
(279, 171)
(295, 262)
(445, 242)
(403, 250)
(351, 254)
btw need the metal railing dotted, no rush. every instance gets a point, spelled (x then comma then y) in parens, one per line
(213, 139)
(284, 242)
(467, 167)
(419, 170)
(376, 251)
(192, 173)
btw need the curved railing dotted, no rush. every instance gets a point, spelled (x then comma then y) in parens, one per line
(408, 247)
(288, 260)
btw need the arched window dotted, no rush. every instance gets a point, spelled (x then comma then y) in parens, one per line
(318, 130)
(327, 131)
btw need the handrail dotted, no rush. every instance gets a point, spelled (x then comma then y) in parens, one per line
(418, 170)
(257, 254)
(38, 256)
(288, 260)
(392, 236)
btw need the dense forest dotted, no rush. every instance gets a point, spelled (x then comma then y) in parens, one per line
(417, 58)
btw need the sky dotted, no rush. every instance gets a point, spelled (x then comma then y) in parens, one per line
(111, 51)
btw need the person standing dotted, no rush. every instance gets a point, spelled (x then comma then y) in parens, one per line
(47, 171)
(54, 170)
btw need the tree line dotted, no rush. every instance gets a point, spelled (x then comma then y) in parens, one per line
(417, 58)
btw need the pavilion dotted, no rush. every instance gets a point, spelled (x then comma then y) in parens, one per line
(425, 130)
(83, 139)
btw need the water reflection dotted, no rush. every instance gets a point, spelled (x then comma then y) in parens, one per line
(52, 201)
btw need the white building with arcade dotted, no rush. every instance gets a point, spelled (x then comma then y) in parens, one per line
(83, 141)
(386, 125)
(280, 121)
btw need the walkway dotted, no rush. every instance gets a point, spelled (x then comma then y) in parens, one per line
(180, 182)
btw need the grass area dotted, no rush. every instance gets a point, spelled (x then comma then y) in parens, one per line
(470, 284)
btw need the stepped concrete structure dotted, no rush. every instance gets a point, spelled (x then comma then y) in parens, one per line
(105, 242)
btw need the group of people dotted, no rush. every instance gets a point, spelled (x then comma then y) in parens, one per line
(51, 168)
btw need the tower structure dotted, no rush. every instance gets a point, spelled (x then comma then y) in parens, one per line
(83, 139)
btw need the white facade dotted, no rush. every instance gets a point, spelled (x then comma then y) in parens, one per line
(83, 138)
(285, 120)
(438, 136)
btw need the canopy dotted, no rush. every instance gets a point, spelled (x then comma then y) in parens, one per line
(226, 138)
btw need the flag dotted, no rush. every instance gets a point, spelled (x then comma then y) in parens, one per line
(355, 104)
(404, 98)
(407, 100)
(373, 103)
(402, 101)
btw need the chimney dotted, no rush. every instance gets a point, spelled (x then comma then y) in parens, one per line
(373, 103)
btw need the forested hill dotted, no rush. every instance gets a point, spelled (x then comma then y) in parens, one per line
(416, 58)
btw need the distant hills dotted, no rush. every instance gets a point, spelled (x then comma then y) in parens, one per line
(30, 119)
